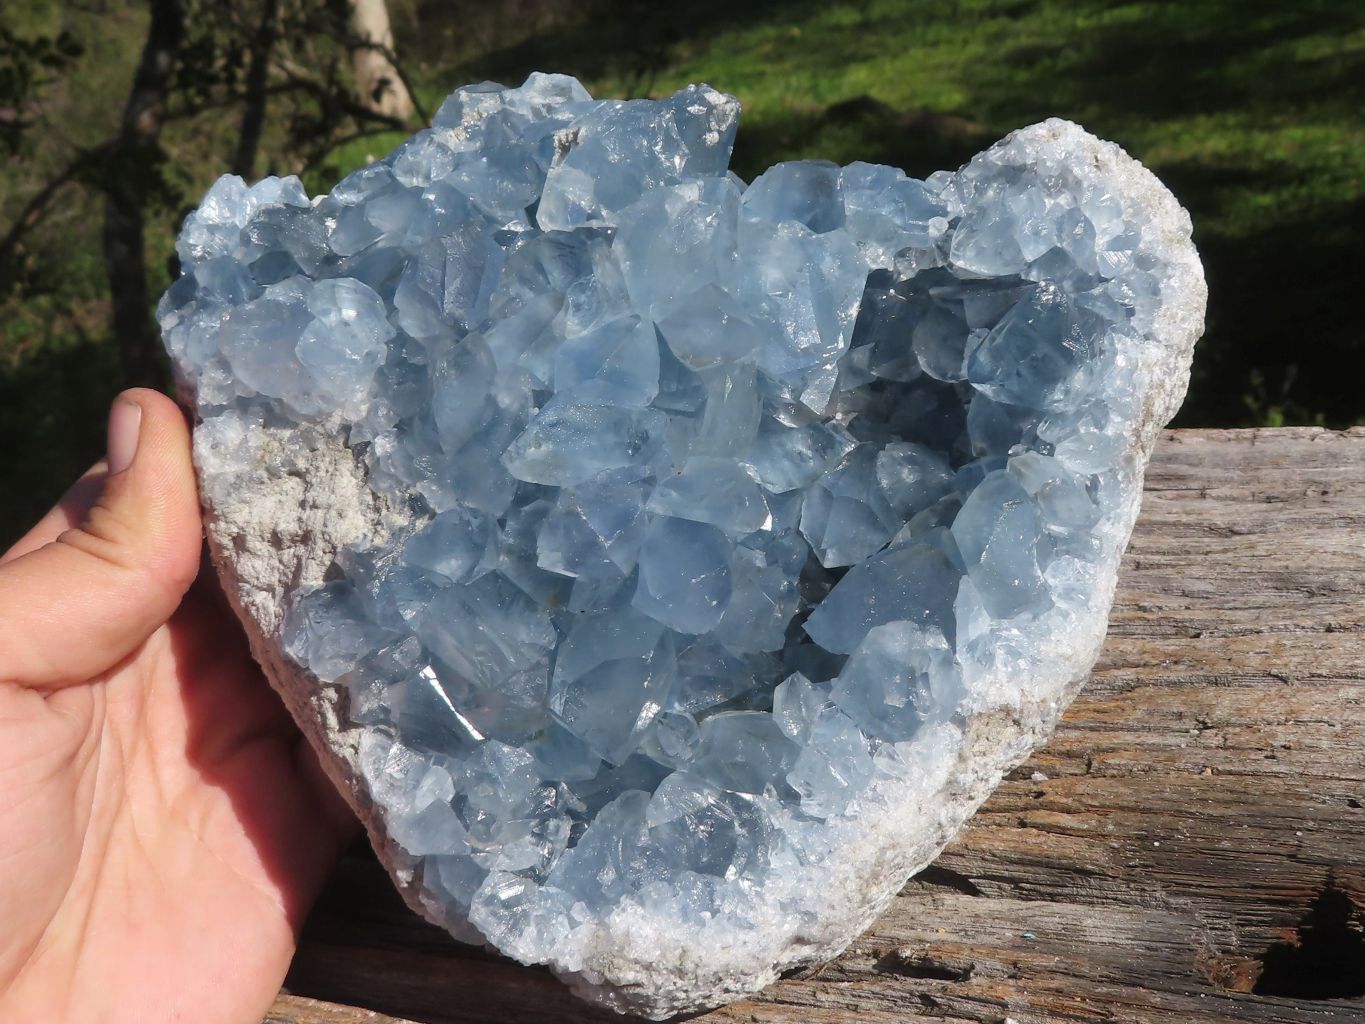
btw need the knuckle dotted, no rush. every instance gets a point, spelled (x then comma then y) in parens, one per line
(110, 536)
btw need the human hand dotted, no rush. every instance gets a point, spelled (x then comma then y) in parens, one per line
(163, 826)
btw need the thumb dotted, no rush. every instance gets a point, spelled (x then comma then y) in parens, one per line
(78, 605)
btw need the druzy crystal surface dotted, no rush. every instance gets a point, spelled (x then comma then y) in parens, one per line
(707, 515)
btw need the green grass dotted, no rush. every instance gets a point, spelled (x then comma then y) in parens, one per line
(1250, 110)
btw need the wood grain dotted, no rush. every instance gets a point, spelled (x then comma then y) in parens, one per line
(1188, 849)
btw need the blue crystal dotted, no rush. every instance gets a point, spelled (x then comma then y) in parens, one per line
(460, 544)
(857, 505)
(623, 353)
(676, 241)
(713, 490)
(594, 530)
(765, 571)
(805, 191)
(997, 532)
(913, 583)
(703, 499)
(897, 678)
(710, 674)
(684, 574)
(700, 827)
(579, 434)
(743, 751)
(672, 739)
(1031, 357)
(710, 327)
(730, 413)
(894, 217)
(786, 455)
(491, 650)
(619, 150)
(611, 679)
(834, 764)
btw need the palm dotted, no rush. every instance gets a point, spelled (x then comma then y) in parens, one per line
(168, 802)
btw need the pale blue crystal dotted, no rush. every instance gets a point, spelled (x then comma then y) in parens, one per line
(710, 327)
(580, 434)
(730, 413)
(619, 150)
(700, 502)
(622, 353)
(518, 558)
(710, 674)
(765, 570)
(1031, 357)
(595, 529)
(713, 490)
(785, 456)
(676, 241)
(611, 680)
(672, 739)
(896, 679)
(699, 827)
(884, 333)
(939, 340)
(912, 477)
(912, 583)
(460, 544)
(492, 645)
(805, 191)
(845, 516)
(834, 764)
(743, 751)
(997, 533)
(684, 574)
(892, 216)
(259, 340)
(808, 286)
(331, 629)
(417, 792)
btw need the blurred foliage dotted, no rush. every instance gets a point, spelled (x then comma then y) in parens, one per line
(1249, 109)
(27, 66)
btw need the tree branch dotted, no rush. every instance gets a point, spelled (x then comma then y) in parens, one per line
(295, 79)
(36, 208)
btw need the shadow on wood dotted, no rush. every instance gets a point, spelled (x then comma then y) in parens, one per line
(1326, 957)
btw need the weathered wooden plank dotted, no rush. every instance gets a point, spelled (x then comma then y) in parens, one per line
(290, 1009)
(1186, 850)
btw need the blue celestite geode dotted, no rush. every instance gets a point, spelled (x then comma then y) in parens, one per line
(667, 566)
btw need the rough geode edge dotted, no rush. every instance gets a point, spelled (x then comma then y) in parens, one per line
(281, 531)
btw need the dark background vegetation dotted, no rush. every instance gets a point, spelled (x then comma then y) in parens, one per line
(1250, 110)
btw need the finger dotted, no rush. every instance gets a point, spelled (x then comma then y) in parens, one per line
(73, 507)
(81, 603)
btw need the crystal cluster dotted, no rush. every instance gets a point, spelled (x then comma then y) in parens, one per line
(714, 510)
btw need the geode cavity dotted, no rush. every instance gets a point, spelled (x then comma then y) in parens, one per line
(664, 566)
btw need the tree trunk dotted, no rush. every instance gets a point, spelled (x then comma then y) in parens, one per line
(378, 82)
(133, 173)
(253, 111)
